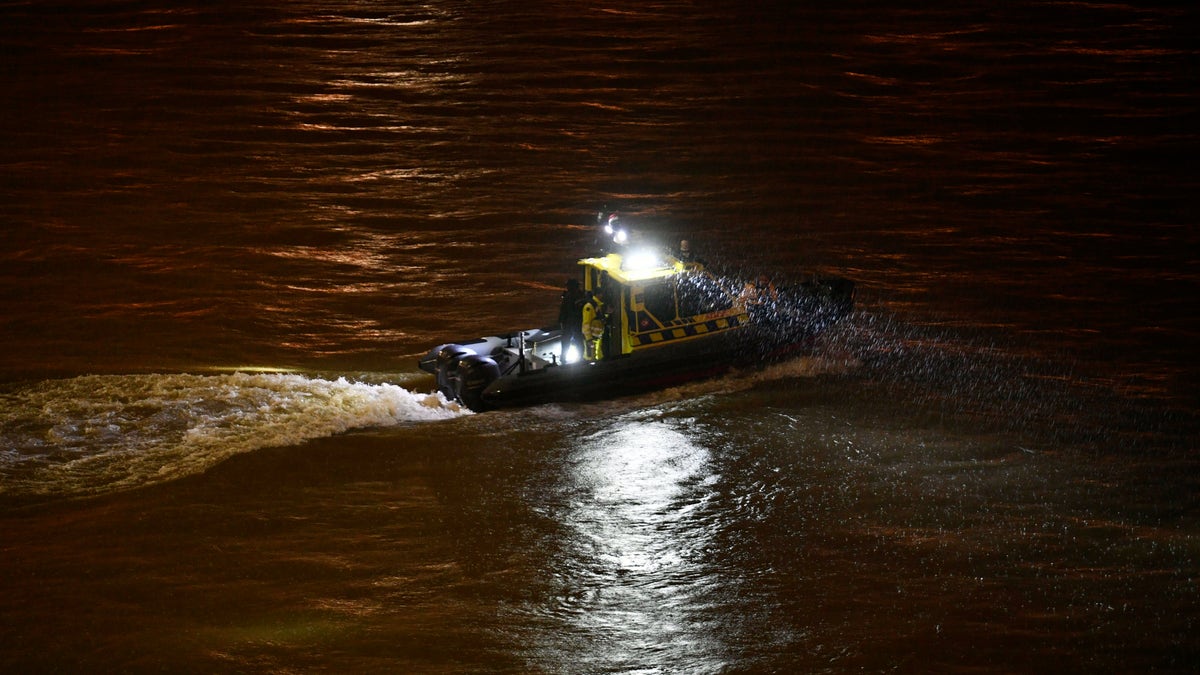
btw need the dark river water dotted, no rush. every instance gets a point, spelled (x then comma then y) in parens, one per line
(228, 230)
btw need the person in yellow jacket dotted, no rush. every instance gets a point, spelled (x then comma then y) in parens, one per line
(594, 320)
(760, 292)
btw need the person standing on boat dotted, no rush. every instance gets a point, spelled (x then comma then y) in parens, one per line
(570, 319)
(761, 298)
(684, 254)
(595, 326)
(761, 291)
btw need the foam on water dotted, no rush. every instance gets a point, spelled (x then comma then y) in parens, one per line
(97, 434)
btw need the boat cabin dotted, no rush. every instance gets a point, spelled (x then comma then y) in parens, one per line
(655, 301)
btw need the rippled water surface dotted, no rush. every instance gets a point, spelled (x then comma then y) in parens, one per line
(229, 230)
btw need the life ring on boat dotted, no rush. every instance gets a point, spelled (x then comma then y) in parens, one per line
(475, 373)
(448, 359)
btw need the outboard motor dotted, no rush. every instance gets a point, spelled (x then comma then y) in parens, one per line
(448, 375)
(475, 373)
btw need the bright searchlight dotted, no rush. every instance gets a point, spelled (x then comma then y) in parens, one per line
(641, 260)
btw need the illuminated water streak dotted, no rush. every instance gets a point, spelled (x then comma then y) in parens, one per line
(635, 553)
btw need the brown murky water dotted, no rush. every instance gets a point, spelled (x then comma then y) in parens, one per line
(229, 230)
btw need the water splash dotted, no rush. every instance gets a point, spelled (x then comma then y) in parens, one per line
(98, 434)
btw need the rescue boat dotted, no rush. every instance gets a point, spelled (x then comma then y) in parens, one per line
(654, 321)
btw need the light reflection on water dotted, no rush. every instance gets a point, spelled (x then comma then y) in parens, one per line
(636, 537)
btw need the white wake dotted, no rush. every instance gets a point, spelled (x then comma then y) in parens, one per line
(103, 433)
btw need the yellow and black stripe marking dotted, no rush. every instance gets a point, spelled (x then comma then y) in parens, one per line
(688, 331)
